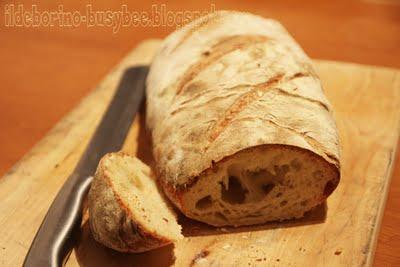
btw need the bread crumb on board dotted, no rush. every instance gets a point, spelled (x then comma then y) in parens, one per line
(200, 257)
(226, 246)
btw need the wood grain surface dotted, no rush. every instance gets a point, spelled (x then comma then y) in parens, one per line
(342, 232)
(46, 71)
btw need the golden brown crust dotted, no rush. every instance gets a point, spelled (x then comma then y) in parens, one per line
(244, 100)
(222, 47)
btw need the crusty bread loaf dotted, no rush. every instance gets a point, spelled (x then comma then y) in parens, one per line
(126, 211)
(242, 131)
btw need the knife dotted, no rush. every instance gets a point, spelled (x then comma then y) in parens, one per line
(55, 238)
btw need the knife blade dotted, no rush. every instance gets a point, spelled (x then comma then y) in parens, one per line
(55, 238)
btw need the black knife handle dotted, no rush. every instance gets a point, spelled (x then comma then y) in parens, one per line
(55, 237)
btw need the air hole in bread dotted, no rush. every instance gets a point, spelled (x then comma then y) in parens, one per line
(235, 193)
(304, 202)
(283, 203)
(267, 188)
(329, 187)
(220, 216)
(318, 175)
(296, 164)
(204, 203)
(281, 170)
(253, 215)
(259, 174)
(136, 182)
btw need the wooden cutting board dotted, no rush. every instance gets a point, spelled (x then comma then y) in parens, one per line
(343, 232)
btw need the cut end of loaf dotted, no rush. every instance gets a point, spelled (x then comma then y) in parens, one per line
(127, 211)
(266, 183)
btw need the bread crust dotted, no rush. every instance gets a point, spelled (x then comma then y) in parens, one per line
(112, 222)
(233, 82)
(206, 101)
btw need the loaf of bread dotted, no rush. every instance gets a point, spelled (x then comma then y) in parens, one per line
(126, 211)
(242, 131)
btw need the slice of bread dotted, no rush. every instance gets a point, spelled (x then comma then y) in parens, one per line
(127, 211)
